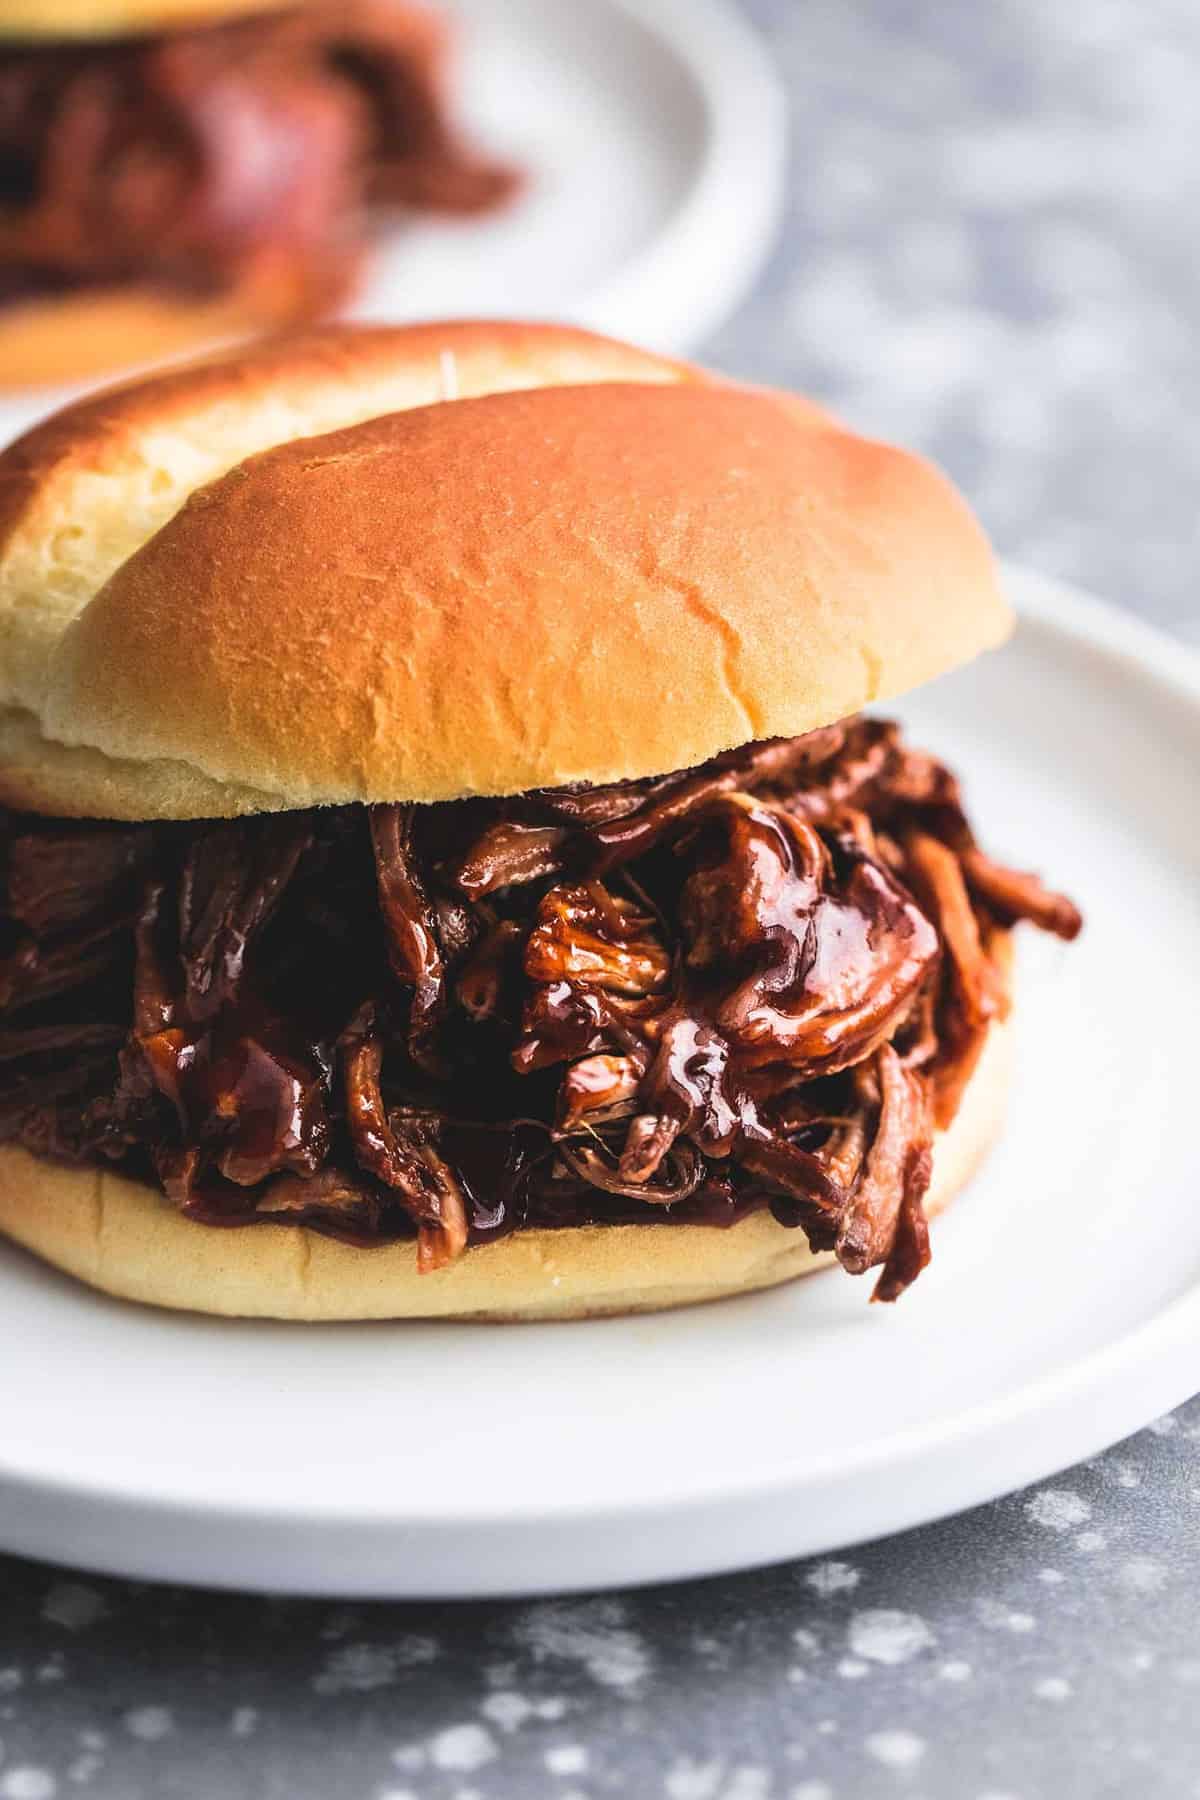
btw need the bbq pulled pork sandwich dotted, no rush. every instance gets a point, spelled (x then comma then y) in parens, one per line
(447, 869)
(173, 171)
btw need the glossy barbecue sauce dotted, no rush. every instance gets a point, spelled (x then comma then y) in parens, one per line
(756, 984)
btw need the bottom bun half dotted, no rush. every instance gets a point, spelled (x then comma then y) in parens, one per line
(93, 332)
(123, 1237)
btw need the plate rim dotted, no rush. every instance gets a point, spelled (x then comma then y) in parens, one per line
(1156, 1356)
(742, 179)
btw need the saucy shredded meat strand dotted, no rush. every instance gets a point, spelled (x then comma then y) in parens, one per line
(414, 953)
(387, 1147)
(895, 1171)
(762, 983)
(1012, 895)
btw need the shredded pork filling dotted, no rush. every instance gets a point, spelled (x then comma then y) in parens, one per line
(763, 983)
(246, 154)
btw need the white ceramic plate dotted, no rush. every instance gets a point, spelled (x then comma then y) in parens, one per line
(1062, 1309)
(654, 133)
(654, 136)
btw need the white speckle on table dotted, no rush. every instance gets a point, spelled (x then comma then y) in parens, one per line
(747, 1784)
(410, 1756)
(999, 1617)
(1091, 1541)
(688, 1780)
(1119, 1473)
(10, 1680)
(28, 1783)
(340, 1624)
(796, 1674)
(935, 253)
(1142, 1575)
(591, 1633)
(884, 1635)
(835, 299)
(804, 1639)
(150, 1724)
(462, 1747)
(955, 1670)
(73, 1605)
(1051, 1577)
(827, 1727)
(357, 1668)
(566, 1759)
(1058, 1509)
(360, 1668)
(53, 1669)
(812, 1790)
(896, 1749)
(508, 1711)
(1140, 1661)
(1188, 1671)
(243, 1721)
(852, 1669)
(1053, 1687)
(397, 1794)
(85, 1767)
(833, 1578)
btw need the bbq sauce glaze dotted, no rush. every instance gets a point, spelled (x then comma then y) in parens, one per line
(762, 983)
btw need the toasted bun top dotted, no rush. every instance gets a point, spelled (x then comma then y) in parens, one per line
(82, 491)
(481, 595)
(72, 20)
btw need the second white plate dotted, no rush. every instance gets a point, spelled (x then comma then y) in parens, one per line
(1061, 1311)
(653, 135)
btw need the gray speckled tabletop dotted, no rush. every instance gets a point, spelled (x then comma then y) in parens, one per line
(991, 251)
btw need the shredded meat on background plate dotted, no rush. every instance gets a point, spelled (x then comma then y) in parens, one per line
(249, 153)
(760, 983)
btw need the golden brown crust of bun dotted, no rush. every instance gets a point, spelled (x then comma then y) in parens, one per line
(23, 21)
(123, 1237)
(524, 590)
(84, 489)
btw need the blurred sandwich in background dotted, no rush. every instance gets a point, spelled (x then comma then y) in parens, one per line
(180, 171)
